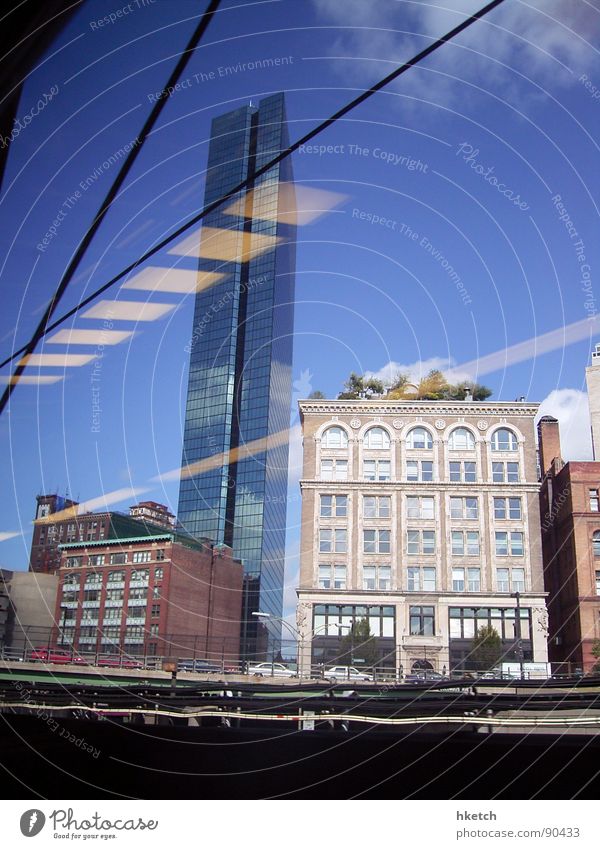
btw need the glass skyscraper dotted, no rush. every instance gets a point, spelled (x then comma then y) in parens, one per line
(239, 390)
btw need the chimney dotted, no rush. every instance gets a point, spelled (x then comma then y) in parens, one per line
(549, 442)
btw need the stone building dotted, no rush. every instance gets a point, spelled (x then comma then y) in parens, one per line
(422, 518)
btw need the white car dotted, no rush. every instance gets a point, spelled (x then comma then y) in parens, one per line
(345, 673)
(273, 670)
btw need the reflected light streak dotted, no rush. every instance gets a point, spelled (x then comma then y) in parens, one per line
(128, 311)
(249, 449)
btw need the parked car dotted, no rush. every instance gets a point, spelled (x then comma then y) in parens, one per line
(345, 673)
(50, 655)
(120, 662)
(423, 676)
(276, 670)
(190, 664)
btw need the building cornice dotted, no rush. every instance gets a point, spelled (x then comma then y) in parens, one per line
(378, 486)
(122, 541)
(419, 408)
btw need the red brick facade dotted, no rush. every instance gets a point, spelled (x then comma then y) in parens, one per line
(570, 516)
(152, 596)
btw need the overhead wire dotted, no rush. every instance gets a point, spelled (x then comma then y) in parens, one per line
(43, 328)
(244, 184)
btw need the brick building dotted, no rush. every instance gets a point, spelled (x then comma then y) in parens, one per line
(59, 520)
(422, 518)
(570, 516)
(155, 595)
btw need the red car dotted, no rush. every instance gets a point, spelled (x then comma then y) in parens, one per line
(120, 662)
(50, 655)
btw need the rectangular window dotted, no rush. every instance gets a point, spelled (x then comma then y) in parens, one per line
(325, 540)
(499, 508)
(474, 580)
(419, 470)
(414, 579)
(96, 560)
(377, 507)
(420, 507)
(458, 580)
(502, 580)
(428, 542)
(518, 580)
(512, 473)
(339, 577)
(118, 559)
(514, 508)
(73, 562)
(326, 506)
(420, 542)
(458, 542)
(516, 543)
(421, 579)
(505, 472)
(332, 577)
(369, 577)
(376, 541)
(334, 470)
(325, 577)
(413, 542)
(333, 505)
(159, 573)
(473, 543)
(509, 542)
(376, 470)
(160, 554)
(597, 583)
(463, 471)
(501, 543)
(594, 502)
(377, 577)
(422, 621)
(141, 557)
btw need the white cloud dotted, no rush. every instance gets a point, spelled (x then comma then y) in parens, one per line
(418, 370)
(570, 407)
(538, 38)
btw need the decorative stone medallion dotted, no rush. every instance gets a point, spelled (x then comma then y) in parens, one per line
(355, 423)
(398, 423)
(440, 424)
(482, 424)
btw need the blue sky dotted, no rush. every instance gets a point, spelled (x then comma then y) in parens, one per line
(488, 152)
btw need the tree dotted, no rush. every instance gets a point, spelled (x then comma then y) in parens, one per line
(486, 648)
(433, 387)
(316, 394)
(361, 387)
(596, 654)
(477, 390)
(359, 642)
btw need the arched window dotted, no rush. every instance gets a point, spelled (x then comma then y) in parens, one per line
(377, 437)
(335, 437)
(504, 440)
(596, 543)
(419, 437)
(461, 439)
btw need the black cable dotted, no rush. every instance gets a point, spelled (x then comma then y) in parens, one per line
(260, 171)
(43, 328)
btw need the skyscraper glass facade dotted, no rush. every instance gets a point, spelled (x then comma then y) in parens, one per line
(239, 391)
